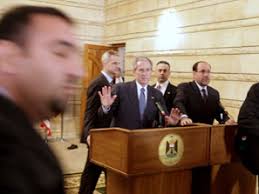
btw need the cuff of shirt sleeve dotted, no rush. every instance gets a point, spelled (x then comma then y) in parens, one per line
(183, 116)
(106, 109)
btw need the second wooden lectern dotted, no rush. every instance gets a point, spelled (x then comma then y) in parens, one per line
(159, 161)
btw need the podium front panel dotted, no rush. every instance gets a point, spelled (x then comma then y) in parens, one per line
(144, 149)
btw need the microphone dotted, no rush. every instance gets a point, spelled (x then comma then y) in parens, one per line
(160, 108)
(161, 119)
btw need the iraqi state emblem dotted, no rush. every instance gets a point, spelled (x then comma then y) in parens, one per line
(171, 149)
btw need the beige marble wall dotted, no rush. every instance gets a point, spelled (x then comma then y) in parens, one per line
(89, 18)
(222, 32)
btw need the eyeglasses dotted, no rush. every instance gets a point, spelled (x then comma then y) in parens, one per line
(204, 72)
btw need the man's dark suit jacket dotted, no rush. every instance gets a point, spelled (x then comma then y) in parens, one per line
(189, 100)
(248, 118)
(27, 165)
(125, 109)
(169, 96)
(93, 103)
(247, 138)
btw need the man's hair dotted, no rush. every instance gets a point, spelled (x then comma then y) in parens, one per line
(141, 58)
(14, 23)
(164, 62)
(107, 55)
(195, 65)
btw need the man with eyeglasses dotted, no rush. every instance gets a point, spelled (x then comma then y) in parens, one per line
(199, 102)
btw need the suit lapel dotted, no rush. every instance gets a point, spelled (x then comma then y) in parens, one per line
(133, 96)
(150, 100)
(210, 94)
(105, 81)
(167, 91)
(196, 89)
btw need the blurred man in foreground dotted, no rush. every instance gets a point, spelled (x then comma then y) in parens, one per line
(39, 67)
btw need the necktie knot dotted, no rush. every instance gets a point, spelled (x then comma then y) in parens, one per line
(113, 81)
(142, 90)
(159, 87)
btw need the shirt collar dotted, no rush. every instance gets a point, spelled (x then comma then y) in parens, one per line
(140, 86)
(163, 85)
(5, 93)
(107, 76)
(201, 87)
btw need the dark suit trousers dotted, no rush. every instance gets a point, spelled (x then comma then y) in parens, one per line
(247, 147)
(201, 177)
(89, 177)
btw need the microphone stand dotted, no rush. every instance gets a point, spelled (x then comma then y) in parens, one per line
(161, 118)
(161, 121)
(62, 128)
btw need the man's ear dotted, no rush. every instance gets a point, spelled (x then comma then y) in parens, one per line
(9, 56)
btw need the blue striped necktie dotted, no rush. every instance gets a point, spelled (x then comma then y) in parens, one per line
(142, 102)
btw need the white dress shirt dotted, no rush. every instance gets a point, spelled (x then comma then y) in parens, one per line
(163, 86)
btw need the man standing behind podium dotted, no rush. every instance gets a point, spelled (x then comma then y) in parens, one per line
(199, 102)
(110, 61)
(134, 104)
(163, 84)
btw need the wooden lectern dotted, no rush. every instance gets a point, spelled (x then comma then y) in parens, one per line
(160, 161)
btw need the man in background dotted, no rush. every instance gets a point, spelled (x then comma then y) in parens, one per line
(110, 61)
(163, 84)
(118, 77)
(39, 68)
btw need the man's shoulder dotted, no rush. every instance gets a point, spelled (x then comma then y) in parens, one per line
(185, 85)
(154, 91)
(122, 88)
(213, 90)
(126, 84)
(255, 87)
(99, 80)
(171, 86)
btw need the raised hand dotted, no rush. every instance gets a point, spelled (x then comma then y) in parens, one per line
(174, 117)
(105, 96)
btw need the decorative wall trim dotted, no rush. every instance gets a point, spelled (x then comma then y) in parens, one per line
(71, 3)
(218, 76)
(119, 3)
(158, 11)
(232, 103)
(197, 52)
(90, 22)
(222, 25)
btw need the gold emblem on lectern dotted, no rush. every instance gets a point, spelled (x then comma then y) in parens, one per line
(170, 150)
